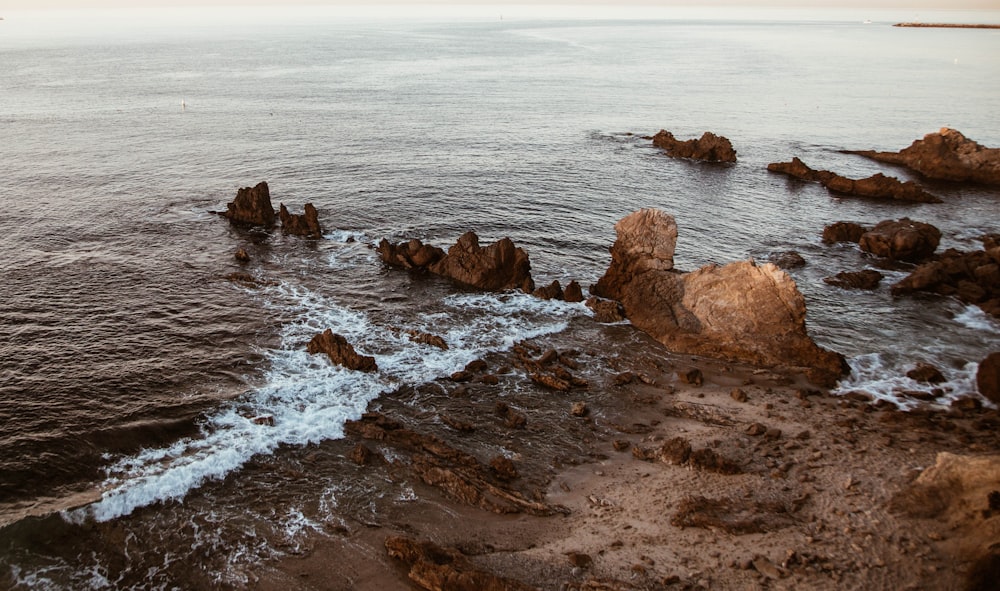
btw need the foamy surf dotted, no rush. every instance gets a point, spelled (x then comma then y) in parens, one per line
(305, 399)
(873, 375)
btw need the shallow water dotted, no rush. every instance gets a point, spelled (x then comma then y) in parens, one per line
(131, 365)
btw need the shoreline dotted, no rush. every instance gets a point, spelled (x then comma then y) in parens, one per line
(799, 494)
(946, 26)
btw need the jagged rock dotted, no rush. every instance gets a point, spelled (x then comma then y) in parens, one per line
(866, 279)
(788, 260)
(946, 155)
(552, 291)
(606, 311)
(304, 224)
(340, 351)
(904, 240)
(739, 312)
(843, 232)
(710, 147)
(579, 409)
(241, 255)
(877, 186)
(496, 267)
(675, 451)
(988, 377)
(927, 373)
(412, 254)
(252, 206)
(446, 569)
(573, 292)
(972, 277)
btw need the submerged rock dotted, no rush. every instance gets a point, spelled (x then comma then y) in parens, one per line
(739, 312)
(866, 279)
(304, 224)
(710, 147)
(946, 155)
(903, 240)
(252, 206)
(877, 186)
(340, 351)
(972, 277)
(843, 232)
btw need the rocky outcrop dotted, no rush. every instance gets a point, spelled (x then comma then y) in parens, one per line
(739, 312)
(573, 292)
(972, 277)
(866, 279)
(946, 155)
(434, 568)
(843, 232)
(901, 240)
(877, 186)
(788, 259)
(710, 147)
(340, 351)
(497, 267)
(412, 254)
(252, 207)
(304, 224)
(988, 377)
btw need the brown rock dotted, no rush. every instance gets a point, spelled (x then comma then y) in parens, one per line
(552, 291)
(412, 254)
(363, 456)
(843, 232)
(946, 155)
(691, 376)
(756, 429)
(927, 373)
(550, 381)
(710, 147)
(738, 312)
(972, 277)
(788, 260)
(426, 338)
(707, 459)
(579, 409)
(446, 569)
(252, 207)
(304, 224)
(503, 468)
(496, 267)
(866, 279)
(675, 451)
(340, 352)
(606, 311)
(573, 292)
(511, 417)
(738, 394)
(579, 559)
(904, 240)
(877, 186)
(241, 255)
(988, 377)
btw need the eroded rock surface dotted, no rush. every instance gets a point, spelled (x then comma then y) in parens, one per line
(877, 186)
(946, 155)
(301, 224)
(340, 351)
(710, 147)
(902, 240)
(252, 206)
(739, 312)
(865, 279)
(446, 569)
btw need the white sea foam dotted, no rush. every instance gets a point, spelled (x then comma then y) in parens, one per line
(873, 375)
(973, 317)
(309, 399)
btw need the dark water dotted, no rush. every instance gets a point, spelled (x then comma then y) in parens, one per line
(129, 363)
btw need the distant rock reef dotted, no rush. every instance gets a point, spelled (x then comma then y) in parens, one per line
(709, 147)
(252, 207)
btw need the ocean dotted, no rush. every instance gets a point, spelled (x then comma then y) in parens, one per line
(130, 364)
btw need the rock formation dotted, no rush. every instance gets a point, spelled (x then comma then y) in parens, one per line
(866, 279)
(573, 292)
(434, 568)
(972, 277)
(497, 267)
(740, 312)
(304, 224)
(946, 155)
(901, 240)
(843, 232)
(988, 377)
(251, 207)
(877, 186)
(710, 147)
(340, 351)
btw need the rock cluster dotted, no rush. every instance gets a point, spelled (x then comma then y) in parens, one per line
(710, 147)
(739, 312)
(946, 155)
(497, 267)
(252, 206)
(972, 277)
(304, 224)
(877, 186)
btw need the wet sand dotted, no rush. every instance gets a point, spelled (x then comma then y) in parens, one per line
(784, 486)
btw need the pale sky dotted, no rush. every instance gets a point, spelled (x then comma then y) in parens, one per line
(868, 4)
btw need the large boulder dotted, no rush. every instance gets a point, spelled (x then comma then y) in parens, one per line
(412, 254)
(972, 277)
(946, 155)
(843, 232)
(496, 267)
(988, 377)
(902, 240)
(340, 351)
(304, 224)
(252, 207)
(877, 186)
(710, 147)
(739, 312)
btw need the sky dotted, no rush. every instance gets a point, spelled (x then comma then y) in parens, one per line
(870, 4)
